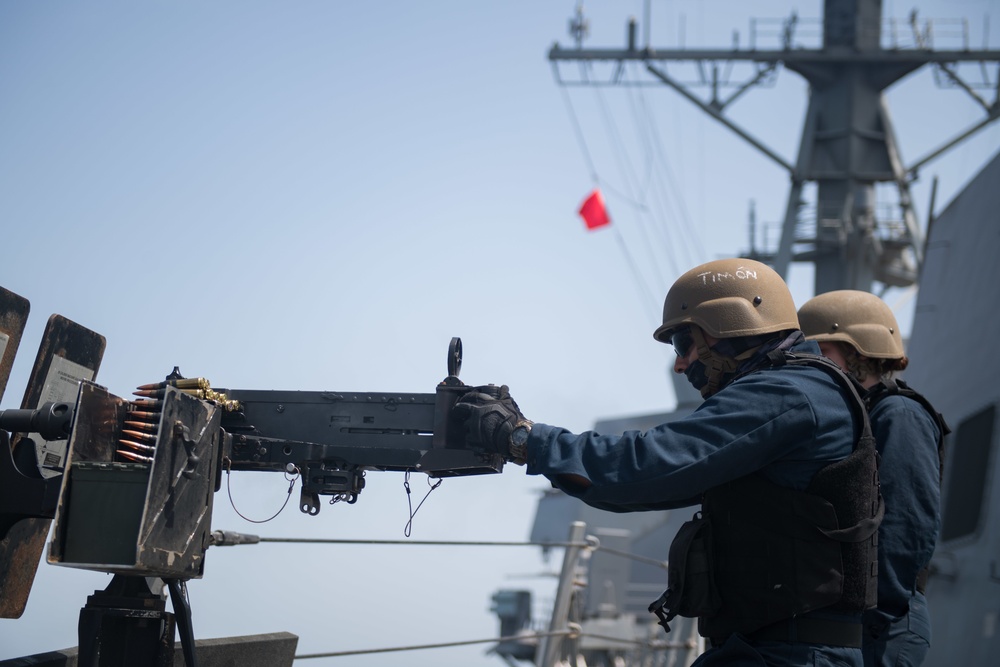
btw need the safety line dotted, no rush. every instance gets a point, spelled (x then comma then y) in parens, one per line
(589, 544)
(415, 647)
(662, 564)
(318, 540)
(523, 638)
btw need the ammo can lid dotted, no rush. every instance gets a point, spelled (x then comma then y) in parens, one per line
(104, 469)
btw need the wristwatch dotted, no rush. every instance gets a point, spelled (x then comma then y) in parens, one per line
(519, 442)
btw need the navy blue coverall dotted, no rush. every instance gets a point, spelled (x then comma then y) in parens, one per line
(786, 422)
(897, 633)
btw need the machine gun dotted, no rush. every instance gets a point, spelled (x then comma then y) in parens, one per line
(135, 494)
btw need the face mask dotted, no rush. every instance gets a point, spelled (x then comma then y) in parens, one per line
(697, 375)
(716, 366)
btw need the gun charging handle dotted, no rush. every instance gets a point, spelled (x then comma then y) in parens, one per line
(449, 390)
(454, 357)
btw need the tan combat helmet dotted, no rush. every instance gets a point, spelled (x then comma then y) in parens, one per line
(729, 298)
(857, 318)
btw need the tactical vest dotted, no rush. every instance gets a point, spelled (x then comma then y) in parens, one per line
(891, 387)
(770, 553)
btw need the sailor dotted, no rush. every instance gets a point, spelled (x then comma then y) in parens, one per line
(859, 332)
(777, 455)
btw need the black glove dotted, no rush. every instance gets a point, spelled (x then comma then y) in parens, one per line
(490, 415)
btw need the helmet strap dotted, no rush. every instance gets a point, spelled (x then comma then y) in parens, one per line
(719, 368)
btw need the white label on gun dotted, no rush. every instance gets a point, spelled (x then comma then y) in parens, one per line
(62, 385)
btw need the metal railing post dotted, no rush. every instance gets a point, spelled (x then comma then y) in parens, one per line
(548, 649)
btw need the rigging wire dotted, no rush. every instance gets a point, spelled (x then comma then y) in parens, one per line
(620, 153)
(635, 191)
(685, 216)
(642, 288)
(578, 131)
(659, 215)
(654, 306)
(645, 193)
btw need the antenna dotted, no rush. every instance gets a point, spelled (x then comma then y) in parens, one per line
(579, 26)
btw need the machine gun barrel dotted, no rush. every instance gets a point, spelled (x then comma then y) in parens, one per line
(52, 421)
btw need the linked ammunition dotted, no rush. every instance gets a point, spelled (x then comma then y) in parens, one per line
(213, 395)
(140, 437)
(151, 395)
(133, 457)
(182, 383)
(141, 426)
(153, 417)
(160, 393)
(222, 400)
(137, 446)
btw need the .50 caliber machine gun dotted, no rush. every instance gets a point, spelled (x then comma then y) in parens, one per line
(146, 468)
(133, 495)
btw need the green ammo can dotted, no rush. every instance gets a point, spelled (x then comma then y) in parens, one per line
(104, 512)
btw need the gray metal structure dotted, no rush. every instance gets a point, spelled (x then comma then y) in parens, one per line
(848, 143)
(848, 147)
(955, 365)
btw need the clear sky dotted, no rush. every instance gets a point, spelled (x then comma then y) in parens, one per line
(319, 195)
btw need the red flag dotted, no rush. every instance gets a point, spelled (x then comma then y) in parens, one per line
(593, 212)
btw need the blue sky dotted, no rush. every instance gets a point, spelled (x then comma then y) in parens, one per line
(319, 195)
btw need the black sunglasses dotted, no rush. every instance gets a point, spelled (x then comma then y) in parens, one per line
(682, 342)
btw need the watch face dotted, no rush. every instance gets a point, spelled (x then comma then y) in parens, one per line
(520, 435)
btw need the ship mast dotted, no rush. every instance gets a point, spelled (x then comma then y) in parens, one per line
(848, 143)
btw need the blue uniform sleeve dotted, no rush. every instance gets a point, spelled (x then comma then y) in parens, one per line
(909, 474)
(767, 421)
